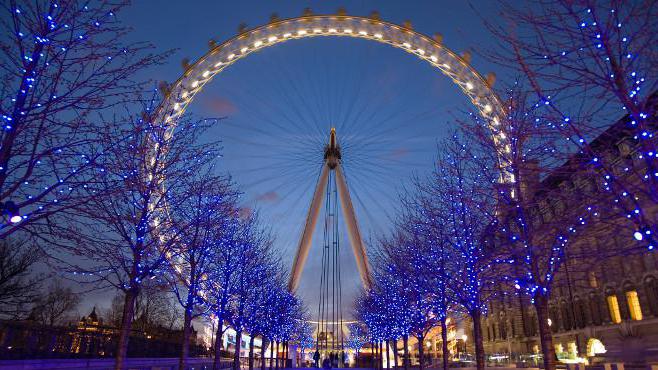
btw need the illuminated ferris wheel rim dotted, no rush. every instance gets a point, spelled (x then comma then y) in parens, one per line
(181, 93)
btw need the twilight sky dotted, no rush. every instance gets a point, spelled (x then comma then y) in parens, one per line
(389, 108)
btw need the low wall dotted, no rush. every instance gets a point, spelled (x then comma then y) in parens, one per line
(108, 364)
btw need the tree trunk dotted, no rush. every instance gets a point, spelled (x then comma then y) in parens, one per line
(405, 350)
(378, 356)
(285, 354)
(276, 355)
(421, 352)
(444, 342)
(395, 353)
(372, 346)
(238, 348)
(126, 325)
(271, 354)
(388, 354)
(263, 350)
(476, 316)
(185, 346)
(251, 351)
(545, 336)
(216, 365)
(381, 354)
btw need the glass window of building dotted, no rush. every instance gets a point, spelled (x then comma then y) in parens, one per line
(634, 305)
(613, 307)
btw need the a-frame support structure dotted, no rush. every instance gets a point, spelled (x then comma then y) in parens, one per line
(332, 162)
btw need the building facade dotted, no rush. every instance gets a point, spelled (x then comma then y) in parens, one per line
(604, 304)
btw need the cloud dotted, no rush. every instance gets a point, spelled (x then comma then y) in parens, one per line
(399, 153)
(220, 106)
(245, 212)
(269, 197)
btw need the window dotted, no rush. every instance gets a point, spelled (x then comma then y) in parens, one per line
(651, 290)
(580, 319)
(595, 308)
(613, 307)
(567, 317)
(634, 305)
(593, 283)
(595, 347)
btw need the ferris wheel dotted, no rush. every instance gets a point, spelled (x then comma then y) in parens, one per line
(324, 131)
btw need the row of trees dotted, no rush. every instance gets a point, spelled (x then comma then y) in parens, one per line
(464, 238)
(119, 199)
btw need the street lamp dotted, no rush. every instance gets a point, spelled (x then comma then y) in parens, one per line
(11, 211)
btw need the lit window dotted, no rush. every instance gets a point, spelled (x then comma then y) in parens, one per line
(595, 347)
(634, 305)
(613, 306)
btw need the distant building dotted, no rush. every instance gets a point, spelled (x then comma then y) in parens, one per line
(89, 338)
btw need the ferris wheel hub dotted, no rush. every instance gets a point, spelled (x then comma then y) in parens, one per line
(332, 154)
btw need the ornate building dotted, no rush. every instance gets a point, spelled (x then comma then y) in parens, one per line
(90, 338)
(604, 305)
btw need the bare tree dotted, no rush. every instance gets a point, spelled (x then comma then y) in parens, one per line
(531, 233)
(154, 309)
(124, 235)
(586, 61)
(424, 216)
(405, 260)
(206, 206)
(19, 286)
(56, 306)
(261, 272)
(464, 204)
(61, 64)
(221, 283)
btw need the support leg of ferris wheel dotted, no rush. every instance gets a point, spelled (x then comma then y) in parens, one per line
(307, 234)
(353, 231)
(331, 163)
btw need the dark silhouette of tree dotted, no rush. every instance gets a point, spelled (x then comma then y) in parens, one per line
(154, 308)
(18, 286)
(56, 305)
